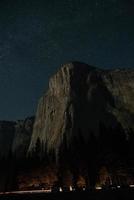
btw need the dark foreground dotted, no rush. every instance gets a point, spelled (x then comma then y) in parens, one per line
(125, 194)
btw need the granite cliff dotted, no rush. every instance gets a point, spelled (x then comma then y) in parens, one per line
(15, 137)
(83, 130)
(80, 101)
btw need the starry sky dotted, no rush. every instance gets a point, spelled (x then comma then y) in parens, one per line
(37, 36)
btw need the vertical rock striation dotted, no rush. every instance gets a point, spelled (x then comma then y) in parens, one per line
(80, 99)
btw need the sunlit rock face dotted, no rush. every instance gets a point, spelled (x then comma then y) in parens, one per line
(81, 98)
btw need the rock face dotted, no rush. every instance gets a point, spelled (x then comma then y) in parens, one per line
(15, 137)
(79, 101)
(84, 129)
(14, 141)
(22, 136)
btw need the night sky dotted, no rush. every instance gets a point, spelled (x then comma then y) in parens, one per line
(37, 36)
